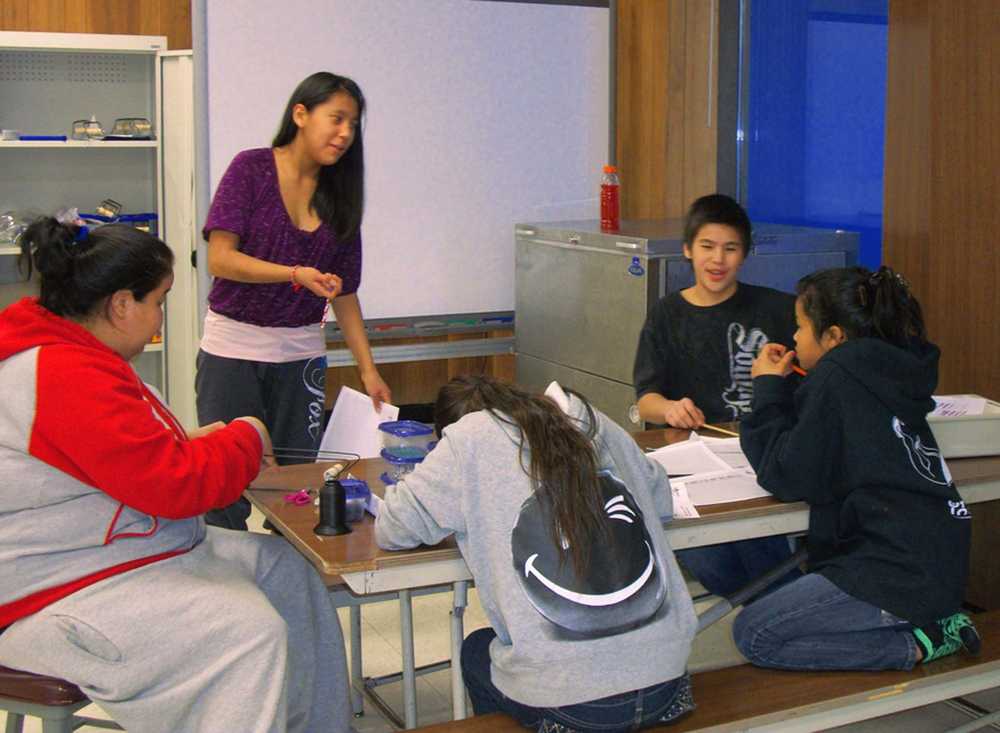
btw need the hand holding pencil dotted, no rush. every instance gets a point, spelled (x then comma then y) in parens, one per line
(773, 359)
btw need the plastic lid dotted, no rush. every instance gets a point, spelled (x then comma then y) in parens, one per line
(355, 488)
(610, 169)
(405, 428)
(404, 454)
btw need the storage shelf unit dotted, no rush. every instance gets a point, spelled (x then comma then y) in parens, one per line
(48, 80)
(93, 144)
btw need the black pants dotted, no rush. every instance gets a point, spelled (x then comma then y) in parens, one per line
(288, 398)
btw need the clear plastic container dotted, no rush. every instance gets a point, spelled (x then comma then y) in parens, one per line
(401, 460)
(357, 493)
(405, 434)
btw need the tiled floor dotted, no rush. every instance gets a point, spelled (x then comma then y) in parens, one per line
(381, 654)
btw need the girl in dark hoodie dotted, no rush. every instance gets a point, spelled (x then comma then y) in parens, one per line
(888, 532)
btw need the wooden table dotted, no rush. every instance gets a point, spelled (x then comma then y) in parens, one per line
(357, 562)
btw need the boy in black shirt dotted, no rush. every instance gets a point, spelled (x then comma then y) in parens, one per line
(693, 362)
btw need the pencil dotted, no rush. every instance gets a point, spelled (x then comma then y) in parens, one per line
(798, 370)
(730, 433)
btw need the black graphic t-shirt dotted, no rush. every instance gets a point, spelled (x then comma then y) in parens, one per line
(705, 352)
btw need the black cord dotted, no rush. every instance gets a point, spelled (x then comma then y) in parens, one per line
(348, 459)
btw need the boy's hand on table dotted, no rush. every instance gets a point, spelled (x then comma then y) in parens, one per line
(683, 413)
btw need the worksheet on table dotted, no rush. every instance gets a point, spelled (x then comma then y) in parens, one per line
(688, 458)
(723, 487)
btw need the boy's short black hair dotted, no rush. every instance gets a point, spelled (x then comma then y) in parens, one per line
(717, 208)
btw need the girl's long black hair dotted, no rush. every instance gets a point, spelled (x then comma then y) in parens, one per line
(864, 304)
(79, 268)
(563, 463)
(339, 199)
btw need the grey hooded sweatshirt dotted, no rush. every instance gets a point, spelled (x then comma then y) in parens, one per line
(472, 485)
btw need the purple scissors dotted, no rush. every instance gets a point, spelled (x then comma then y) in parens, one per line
(300, 497)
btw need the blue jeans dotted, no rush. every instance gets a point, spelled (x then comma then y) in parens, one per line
(724, 569)
(662, 703)
(812, 624)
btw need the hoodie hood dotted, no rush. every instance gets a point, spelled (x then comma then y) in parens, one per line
(901, 379)
(26, 325)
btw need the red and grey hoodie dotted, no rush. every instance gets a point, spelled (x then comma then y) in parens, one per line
(96, 475)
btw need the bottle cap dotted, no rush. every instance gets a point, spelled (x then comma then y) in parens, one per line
(610, 169)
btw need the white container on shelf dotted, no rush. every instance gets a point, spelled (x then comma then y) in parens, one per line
(965, 436)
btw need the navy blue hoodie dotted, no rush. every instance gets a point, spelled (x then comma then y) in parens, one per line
(886, 523)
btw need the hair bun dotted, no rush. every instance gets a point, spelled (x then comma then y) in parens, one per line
(51, 246)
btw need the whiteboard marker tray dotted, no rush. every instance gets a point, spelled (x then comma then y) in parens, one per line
(968, 435)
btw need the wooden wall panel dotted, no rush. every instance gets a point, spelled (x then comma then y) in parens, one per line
(965, 115)
(171, 18)
(906, 210)
(666, 125)
(643, 45)
(419, 381)
(941, 185)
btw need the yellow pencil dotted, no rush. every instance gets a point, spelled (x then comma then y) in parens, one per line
(719, 430)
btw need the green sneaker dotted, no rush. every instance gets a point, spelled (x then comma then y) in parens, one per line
(947, 636)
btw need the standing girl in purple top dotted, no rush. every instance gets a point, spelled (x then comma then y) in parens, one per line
(284, 238)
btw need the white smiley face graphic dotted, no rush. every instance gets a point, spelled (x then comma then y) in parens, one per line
(622, 586)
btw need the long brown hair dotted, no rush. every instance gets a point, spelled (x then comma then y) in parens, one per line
(340, 192)
(563, 466)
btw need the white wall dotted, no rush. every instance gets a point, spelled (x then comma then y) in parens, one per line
(480, 115)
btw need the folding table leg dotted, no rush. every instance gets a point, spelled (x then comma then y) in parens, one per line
(357, 679)
(459, 603)
(409, 671)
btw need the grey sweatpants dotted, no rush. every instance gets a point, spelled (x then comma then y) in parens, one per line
(288, 398)
(237, 635)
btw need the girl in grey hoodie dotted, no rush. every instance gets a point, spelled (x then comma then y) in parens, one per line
(558, 514)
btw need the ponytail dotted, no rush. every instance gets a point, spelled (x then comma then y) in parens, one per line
(79, 268)
(864, 304)
(563, 463)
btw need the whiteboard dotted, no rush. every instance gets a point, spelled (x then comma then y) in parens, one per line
(479, 115)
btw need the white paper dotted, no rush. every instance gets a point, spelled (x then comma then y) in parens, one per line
(729, 450)
(354, 425)
(683, 507)
(687, 458)
(957, 405)
(723, 487)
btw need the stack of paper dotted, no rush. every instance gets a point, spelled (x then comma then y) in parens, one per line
(707, 471)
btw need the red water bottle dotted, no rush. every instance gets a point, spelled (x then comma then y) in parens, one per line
(610, 217)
